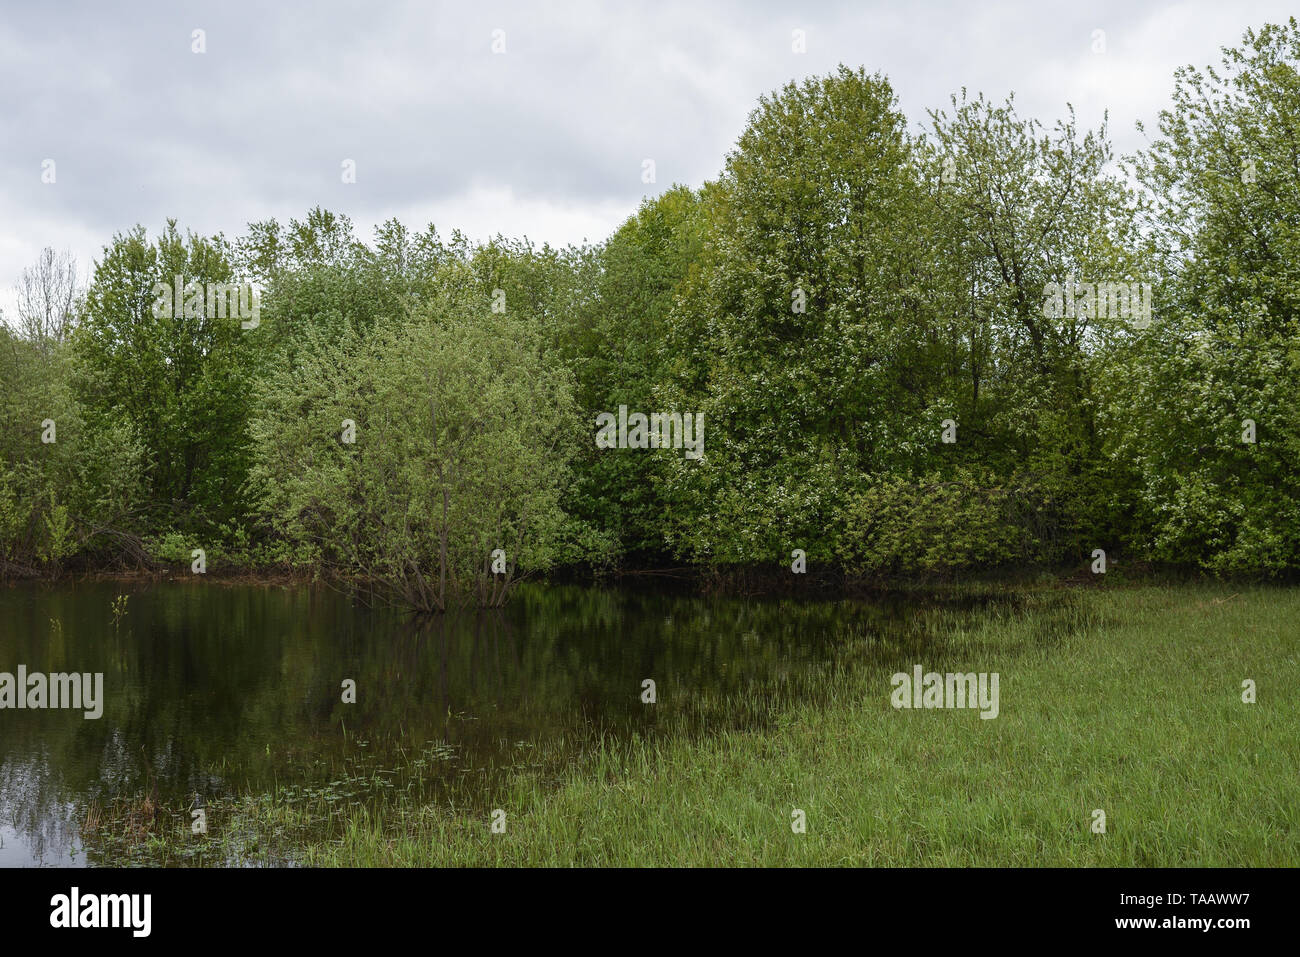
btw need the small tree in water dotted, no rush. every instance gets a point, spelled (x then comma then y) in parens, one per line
(447, 484)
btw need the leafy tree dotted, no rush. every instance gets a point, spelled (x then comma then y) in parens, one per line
(840, 298)
(616, 346)
(462, 440)
(1018, 210)
(177, 376)
(1223, 192)
(319, 275)
(66, 485)
(791, 332)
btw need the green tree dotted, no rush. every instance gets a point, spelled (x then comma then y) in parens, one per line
(791, 333)
(616, 346)
(1018, 210)
(178, 376)
(463, 435)
(1223, 191)
(67, 485)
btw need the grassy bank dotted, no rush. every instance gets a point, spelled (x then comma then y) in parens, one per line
(1123, 699)
(1131, 703)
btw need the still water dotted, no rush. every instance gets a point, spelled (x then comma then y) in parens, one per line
(213, 691)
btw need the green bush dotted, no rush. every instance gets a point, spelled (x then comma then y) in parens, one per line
(898, 526)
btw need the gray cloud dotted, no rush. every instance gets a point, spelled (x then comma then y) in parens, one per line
(547, 139)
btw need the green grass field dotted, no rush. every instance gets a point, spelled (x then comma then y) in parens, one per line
(1127, 700)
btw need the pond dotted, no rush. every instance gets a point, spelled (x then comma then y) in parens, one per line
(215, 691)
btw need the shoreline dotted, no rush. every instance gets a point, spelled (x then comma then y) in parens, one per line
(736, 581)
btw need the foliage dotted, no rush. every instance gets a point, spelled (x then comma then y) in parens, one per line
(180, 380)
(859, 313)
(901, 527)
(462, 437)
(1224, 195)
(68, 482)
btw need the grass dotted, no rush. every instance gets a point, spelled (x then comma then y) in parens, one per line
(1124, 700)
(1127, 700)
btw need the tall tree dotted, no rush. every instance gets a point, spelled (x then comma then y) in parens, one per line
(1210, 395)
(792, 331)
(175, 367)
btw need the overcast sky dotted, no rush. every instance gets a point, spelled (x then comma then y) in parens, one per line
(545, 139)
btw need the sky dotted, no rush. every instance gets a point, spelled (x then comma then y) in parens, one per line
(529, 119)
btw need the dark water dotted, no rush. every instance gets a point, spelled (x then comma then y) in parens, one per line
(214, 691)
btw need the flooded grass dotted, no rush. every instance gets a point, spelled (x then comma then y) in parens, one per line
(1126, 700)
(1129, 702)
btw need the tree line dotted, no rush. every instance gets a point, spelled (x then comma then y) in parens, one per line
(981, 343)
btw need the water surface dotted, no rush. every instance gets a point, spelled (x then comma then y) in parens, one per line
(214, 691)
